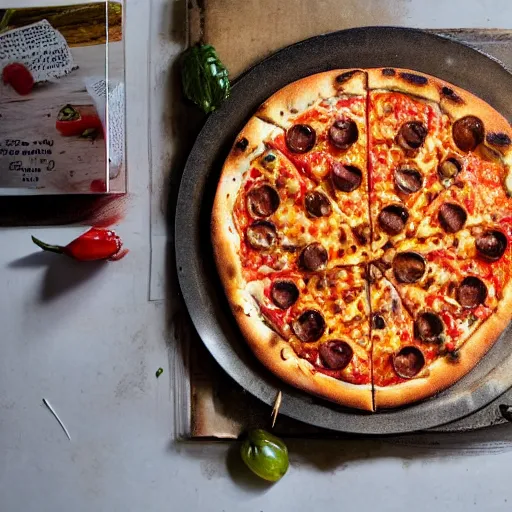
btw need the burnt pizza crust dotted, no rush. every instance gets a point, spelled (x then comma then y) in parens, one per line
(402, 80)
(443, 372)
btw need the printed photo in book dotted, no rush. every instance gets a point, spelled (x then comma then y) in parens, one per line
(62, 99)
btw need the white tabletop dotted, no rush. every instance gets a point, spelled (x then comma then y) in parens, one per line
(87, 338)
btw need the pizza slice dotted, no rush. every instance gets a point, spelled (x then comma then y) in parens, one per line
(283, 218)
(316, 331)
(325, 136)
(406, 130)
(459, 306)
(400, 362)
(475, 154)
(439, 157)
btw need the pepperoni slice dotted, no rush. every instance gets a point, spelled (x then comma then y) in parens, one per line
(468, 132)
(284, 294)
(313, 257)
(263, 200)
(452, 217)
(336, 354)
(411, 135)
(378, 322)
(392, 219)
(491, 245)
(408, 267)
(317, 204)
(261, 235)
(343, 133)
(300, 138)
(309, 326)
(471, 292)
(408, 179)
(346, 177)
(429, 327)
(408, 362)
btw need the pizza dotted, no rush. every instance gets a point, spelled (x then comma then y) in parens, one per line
(362, 230)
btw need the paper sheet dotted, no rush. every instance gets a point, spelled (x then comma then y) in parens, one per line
(40, 47)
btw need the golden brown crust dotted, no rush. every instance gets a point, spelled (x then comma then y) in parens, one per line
(293, 99)
(443, 373)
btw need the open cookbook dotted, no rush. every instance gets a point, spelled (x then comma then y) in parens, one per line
(62, 99)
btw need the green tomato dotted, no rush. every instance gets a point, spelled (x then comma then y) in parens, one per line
(265, 454)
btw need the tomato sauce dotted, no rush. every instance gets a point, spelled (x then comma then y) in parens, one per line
(277, 317)
(450, 326)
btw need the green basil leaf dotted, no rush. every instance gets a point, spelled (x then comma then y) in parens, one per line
(204, 77)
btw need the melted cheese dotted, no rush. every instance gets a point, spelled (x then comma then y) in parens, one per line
(343, 301)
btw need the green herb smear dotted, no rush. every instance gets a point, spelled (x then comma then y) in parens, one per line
(204, 77)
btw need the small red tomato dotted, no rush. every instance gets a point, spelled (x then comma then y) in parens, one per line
(18, 77)
(450, 346)
(78, 121)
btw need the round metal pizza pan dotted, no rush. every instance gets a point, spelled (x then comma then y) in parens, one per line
(201, 288)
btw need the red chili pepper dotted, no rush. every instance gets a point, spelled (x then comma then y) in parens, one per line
(95, 244)
(18, 77)
(82, 120)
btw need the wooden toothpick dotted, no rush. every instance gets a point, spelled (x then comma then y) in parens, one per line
(277, 405)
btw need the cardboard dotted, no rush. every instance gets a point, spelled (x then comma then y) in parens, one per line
(244, 32)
